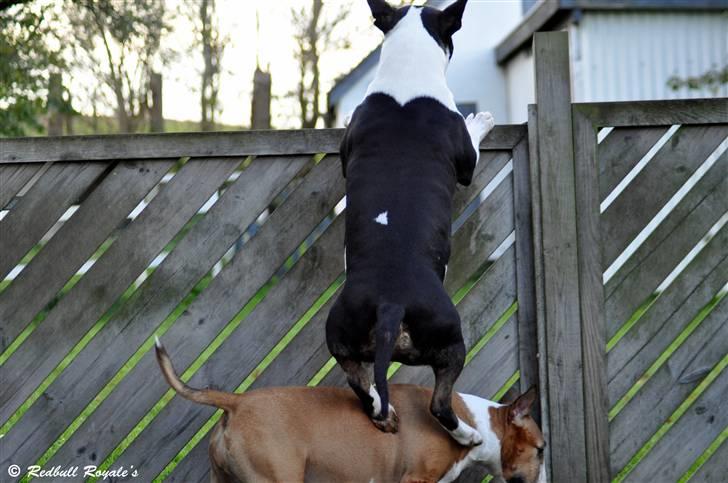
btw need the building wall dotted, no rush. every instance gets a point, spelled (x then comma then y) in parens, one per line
(620, 56)
(473, 75)
(627, 56)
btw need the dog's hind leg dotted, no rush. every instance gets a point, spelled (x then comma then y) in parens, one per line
(447, 371)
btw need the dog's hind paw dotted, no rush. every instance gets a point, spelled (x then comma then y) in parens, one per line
(465, 435)
(389, 425)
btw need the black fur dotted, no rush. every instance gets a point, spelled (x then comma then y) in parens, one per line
(403, 160)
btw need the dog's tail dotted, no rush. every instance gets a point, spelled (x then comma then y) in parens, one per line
(389, 317)
(211, 397)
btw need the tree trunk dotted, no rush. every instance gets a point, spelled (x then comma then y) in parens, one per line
(156, 117)
(55, 101)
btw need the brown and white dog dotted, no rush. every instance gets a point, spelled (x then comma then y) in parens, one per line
(295, 434)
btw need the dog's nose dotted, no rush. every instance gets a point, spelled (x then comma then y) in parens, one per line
(516, 479)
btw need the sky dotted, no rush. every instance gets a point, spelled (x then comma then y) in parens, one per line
(275, 47)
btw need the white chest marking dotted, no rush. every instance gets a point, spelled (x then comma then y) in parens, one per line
(382, 218)
(488, 452)
(412, 65)
(377, 402)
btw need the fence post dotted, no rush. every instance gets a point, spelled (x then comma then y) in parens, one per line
(554, 202)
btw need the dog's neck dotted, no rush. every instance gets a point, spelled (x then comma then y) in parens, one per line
(488, 453)
(412, 64)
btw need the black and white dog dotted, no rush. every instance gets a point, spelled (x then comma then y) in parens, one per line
(404, 150)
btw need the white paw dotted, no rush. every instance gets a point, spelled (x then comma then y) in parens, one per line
(466, 436)
(480, 124)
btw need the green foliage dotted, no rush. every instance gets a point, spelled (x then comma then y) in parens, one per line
(711, 80)
(25, 61)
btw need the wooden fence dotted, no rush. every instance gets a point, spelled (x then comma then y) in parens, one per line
(79, 379)
(230, 247)
(630, 208)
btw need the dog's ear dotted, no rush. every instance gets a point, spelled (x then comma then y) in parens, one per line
(521, 407)
(451, 18)
(384, 14)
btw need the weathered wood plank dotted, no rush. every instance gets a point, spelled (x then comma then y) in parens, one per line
(527, 326)
(623, 148)
(690, 292)
(715, 468)
(480, 235)
(12, 180)
(217, 144)
(684, 227)
(655, 113)
(109, 277)
(487, 300)
(192, 258)
(655, 185)
(668, 388)
(58, 189)
(591, 290)
(294, 366)
(538, 278)
(490, 164)
(486, 373)
(102, 212)
(240, 353)
(676, 451)
(235, 285)
(560, 261)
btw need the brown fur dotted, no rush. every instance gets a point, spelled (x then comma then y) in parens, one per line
(520, 438)
(321, 434)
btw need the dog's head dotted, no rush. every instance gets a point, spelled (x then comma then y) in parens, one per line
(438, 24)
(522, 443)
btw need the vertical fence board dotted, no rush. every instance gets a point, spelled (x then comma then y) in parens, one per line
(560, 261)
(591, 292)
(527, 330)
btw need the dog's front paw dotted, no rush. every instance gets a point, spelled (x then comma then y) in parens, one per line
(466, 436)
(388, 425)
(480, 124)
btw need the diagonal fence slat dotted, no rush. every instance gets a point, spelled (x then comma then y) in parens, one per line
(13, 178)
(664, 250)
(241, 352)
(688, 438)
(104, 209)
(620, 152)
(690, 292)
(480, 235)
(192, 258)
(489, 165)
(107, 280)
(675, 236)
(235, 285)
(296, 365)
(489, 370)
(479, 309)
(667, 389)
(56, 190)
(715, 468)
(687, 149)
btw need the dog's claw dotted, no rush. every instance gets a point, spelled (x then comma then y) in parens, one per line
(389, 425)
